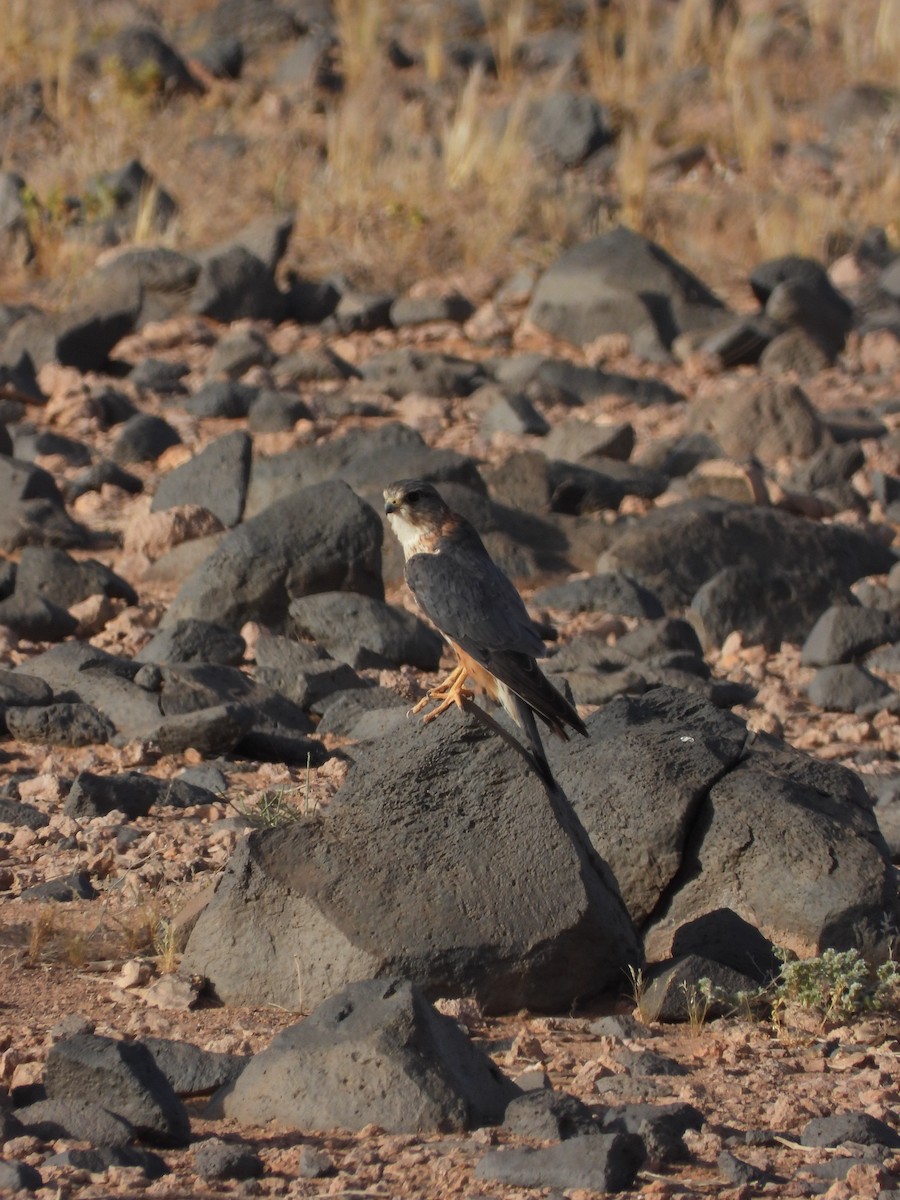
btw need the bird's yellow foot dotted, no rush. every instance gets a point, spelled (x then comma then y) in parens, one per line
(451, 691)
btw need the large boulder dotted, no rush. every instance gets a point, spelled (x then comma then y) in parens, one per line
(764, 418)
(320, 539)
(442, 859)
(377, 1051)
(692, 821)
(673, 550)
(622, 283)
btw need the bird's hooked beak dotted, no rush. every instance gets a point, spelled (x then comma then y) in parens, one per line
(389, 507)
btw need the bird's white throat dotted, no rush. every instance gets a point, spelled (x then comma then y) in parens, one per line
(412, 538)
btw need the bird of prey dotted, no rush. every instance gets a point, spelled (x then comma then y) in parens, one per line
(477, 609)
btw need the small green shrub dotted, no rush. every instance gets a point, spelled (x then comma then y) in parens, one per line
(838, 984)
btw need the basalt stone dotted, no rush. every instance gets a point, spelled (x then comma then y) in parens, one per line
(32, 510)
(234, 285)
(35, 618)
(603, 1163)
(859, 1127)
(768, 606)
(222, 398)
(366, 632)
(318, 539)
(79, 1118)
(846, 687)
(216, 479)
(131, 793)
(60, 724)
(674, 550)
(192, 1071)
(418, 310)
(103, 473)
(318, 1074)
(19, 1177)
(128, 1080)
(694, 983)
(613, 592)
(143, 439)
(622, 283)
(420, 796)
(63, 580)
(98, 1159)
(237, 352)
(194, 641)
(302, 671)
(18, 813)
(63, 890)
(844, 632)
(548, 1115)
(276, 412)
(400, 372)
(161, 376)
(218, 1160)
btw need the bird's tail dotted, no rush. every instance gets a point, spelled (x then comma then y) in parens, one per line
(523, 716)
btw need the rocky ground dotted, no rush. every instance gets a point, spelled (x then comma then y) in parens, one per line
(203, 633)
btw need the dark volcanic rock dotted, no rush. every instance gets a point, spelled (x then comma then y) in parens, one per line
(78, 1118)
(365, 632)
(63, 890)
(692, 984)
(638, 781)
(17, 812)
(768, 605)
(192, 1071)
(64, 580)
(31, 509)
(859, 1127)
(410, 803)
(767, 419)
(143, 439)
(319, 1073)
(323, 538)
(673, 550)
(607, 1162)
(19, 1177)
(304, 673)
(124, 1077)
(612, 592)
(222, 398)
(622, 283)
(35, 618)
(400, 372)
(235, 284)
(194, 641)
(661, 1127)
(567, 126)
(98, 1159)
(846, 687)
(215, 1159)
(216, 478)
(60, 724)
(691, 822)
(548, 1115)
(132, 793)
(845, 632)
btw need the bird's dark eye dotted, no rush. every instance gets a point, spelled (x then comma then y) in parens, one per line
(413, 497)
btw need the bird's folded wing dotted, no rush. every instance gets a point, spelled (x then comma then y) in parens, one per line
(471, 601)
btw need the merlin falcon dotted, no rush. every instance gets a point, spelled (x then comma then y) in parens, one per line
(480, 614)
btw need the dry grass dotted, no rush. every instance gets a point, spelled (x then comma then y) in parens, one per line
(404, 176)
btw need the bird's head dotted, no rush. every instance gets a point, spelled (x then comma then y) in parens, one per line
(414, 508)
